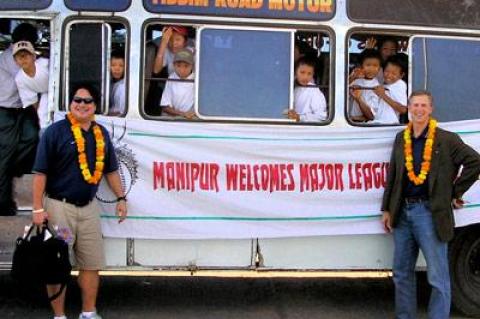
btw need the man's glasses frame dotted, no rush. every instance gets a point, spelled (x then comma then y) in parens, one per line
(86, 100)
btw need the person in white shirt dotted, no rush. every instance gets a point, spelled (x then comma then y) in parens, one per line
(19, 133)
(32, 80)
(174, 39)
(393, 94)
(178, 96)
(362, 81)
(309, 103)
(117, 92)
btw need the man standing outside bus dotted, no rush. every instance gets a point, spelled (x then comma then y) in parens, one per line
(18, 125)
(72, 157)
(422, 187)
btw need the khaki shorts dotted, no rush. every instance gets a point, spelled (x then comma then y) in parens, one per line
(81, 228)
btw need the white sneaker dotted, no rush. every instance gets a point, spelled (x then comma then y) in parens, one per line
(94, 316)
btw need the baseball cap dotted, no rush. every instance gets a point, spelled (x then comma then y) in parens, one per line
(183, 55)
(179, 29)
(23, 46)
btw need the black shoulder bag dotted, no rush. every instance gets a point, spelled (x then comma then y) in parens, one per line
(38, 261)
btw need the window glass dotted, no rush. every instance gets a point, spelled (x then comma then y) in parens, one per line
(448, 69)
(243, 73)
(463, 14)
(377, 79)
(102, 63)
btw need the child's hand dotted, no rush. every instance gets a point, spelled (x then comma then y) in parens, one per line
(379, 90)
(357, 73)
(293, 115)
(355, 93)
(166, 35)
(370, 43)
(190, 115)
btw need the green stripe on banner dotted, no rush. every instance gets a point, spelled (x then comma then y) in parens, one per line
(250, 219)
(220, 137)
(256, 219)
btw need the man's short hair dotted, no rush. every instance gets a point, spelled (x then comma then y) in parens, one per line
(421, 93)
(86, 86)
(370, 54)
(25, 32)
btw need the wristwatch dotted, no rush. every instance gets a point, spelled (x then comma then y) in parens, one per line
(122, 198)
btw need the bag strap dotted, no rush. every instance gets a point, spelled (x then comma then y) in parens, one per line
(58, 293)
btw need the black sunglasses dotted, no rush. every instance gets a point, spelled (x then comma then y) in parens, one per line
(78, 99)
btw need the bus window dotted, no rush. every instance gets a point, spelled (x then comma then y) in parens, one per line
(102, 62)
(448, 69)
(159, 67)
(377, 80)
(244, 74)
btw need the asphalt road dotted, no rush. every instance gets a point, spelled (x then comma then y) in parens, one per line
(222, 298)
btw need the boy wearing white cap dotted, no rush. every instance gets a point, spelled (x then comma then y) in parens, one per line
(32, 79)
(179, 93)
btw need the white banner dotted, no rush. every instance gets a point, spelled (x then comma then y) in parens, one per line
(202, 180)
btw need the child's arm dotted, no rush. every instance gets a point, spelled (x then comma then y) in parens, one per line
(398, 107)
(158, 65)
(356, 73)
(189, 115)
(364, 107)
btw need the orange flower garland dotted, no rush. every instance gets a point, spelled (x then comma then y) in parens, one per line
(427, 153)
(82, 157)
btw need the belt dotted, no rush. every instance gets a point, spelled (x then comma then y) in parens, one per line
(78, 203)
(416, 199)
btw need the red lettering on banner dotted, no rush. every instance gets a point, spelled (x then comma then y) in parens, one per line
(317, 177)
(367, 175)
(158, 176)
(180, 176)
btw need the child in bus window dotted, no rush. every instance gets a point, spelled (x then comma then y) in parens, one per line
(309, 102)
(362, 82)
(388, 47)
(174, 39)
(393, 94)
(32, 79)
(117, 93)
(178, 96)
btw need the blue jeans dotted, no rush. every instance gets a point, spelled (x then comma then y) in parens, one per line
(416, 230)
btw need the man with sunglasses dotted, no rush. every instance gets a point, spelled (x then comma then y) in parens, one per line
(72, 157)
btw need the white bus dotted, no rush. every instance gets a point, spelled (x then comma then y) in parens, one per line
(241, 186)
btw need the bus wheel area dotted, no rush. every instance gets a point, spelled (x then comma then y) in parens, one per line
(464, 255)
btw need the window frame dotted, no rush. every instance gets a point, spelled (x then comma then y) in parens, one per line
(378, 32)
(326, 30)
(65, 59)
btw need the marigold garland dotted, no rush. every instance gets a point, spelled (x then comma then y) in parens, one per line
(82, 157)
(427, 153)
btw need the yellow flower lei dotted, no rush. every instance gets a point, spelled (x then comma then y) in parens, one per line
(82, 157)
(427, 153)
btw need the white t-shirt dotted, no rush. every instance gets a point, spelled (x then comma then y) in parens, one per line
(29, 89)
(384, 113)
(310, 104)
(370, 98)
(179, 95)
(8, 90)
(168, 58)
(117, 97)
